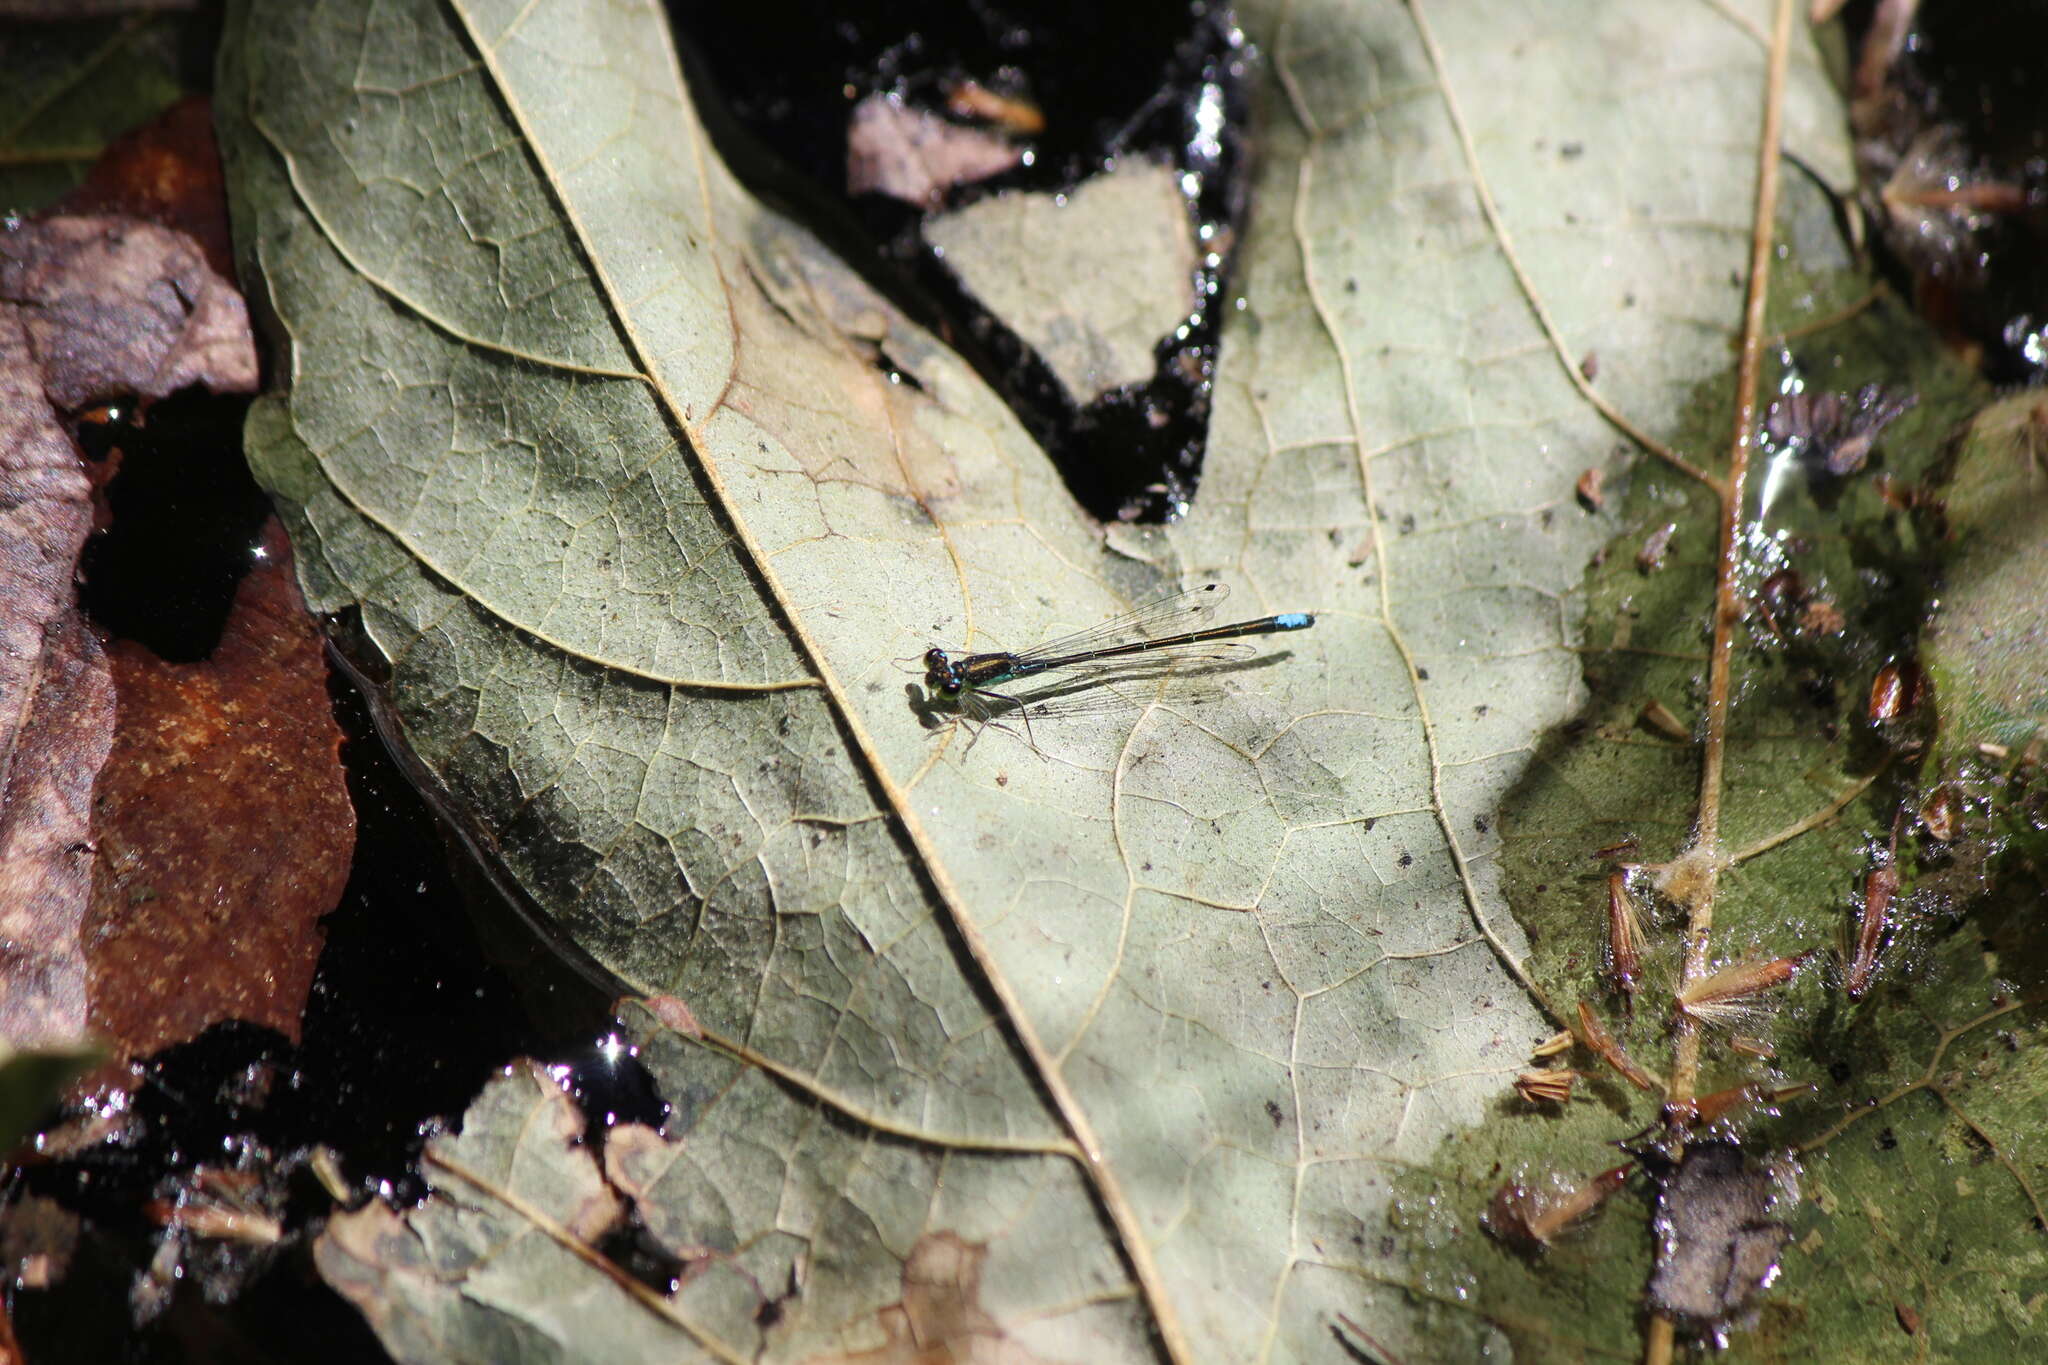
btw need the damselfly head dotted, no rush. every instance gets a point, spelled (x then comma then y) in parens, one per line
(942, 675)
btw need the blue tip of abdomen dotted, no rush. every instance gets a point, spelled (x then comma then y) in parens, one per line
(1294, 620)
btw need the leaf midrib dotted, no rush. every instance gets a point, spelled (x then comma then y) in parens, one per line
(1088, 1149)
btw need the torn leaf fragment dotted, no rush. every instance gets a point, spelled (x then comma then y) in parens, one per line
(1718, 1236)
(1835, 432)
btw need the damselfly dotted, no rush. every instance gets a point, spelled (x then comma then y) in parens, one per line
(1168, 634)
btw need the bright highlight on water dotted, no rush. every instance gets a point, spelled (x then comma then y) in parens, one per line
(1170, 628)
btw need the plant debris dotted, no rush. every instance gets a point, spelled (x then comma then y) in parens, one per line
(1873, 921)
(1014, 114)
(222, 823)
(1727, 997)
(114, 306)
(1834, 432)
(1588, 489)
(1656, 545)
(92, 307)
(1624, 936)
(1898, 690)
(1596, 1039)
(1552, 1085)
(1660, 718)
(1530, 1217)
(1724, 1104)
(1938, 813)
(1718, 1239)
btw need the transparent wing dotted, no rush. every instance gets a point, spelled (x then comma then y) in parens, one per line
(1137, 668)
(1180, 675)
(1173, 614)
(1101, 697)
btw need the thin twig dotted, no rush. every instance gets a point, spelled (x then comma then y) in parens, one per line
(1822, 323)
(1727, 596)
(1809, 822)
(1685, 1053)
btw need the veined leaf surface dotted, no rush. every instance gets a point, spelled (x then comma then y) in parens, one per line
(1152, 1012)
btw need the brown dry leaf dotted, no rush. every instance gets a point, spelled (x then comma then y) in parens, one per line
(168, 172)
(223, 826)
(116, 306)
(55, 701)
(90, 308)
(51, 754)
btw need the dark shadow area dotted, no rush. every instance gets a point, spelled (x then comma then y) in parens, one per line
(183, 517)
(426, 986)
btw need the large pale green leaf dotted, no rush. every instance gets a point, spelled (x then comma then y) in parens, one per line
(1157, 1014)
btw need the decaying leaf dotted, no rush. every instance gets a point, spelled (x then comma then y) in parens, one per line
(1789, 593)
(165, 172)
(90, 308)
(222, 826)
(1988, 659)
(1719, 1235)
(113, 306)
(55, 746)
(1532, 1216)
(515, 1207)
(55, 705)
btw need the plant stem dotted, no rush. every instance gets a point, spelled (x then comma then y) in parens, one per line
(1685, 1059)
